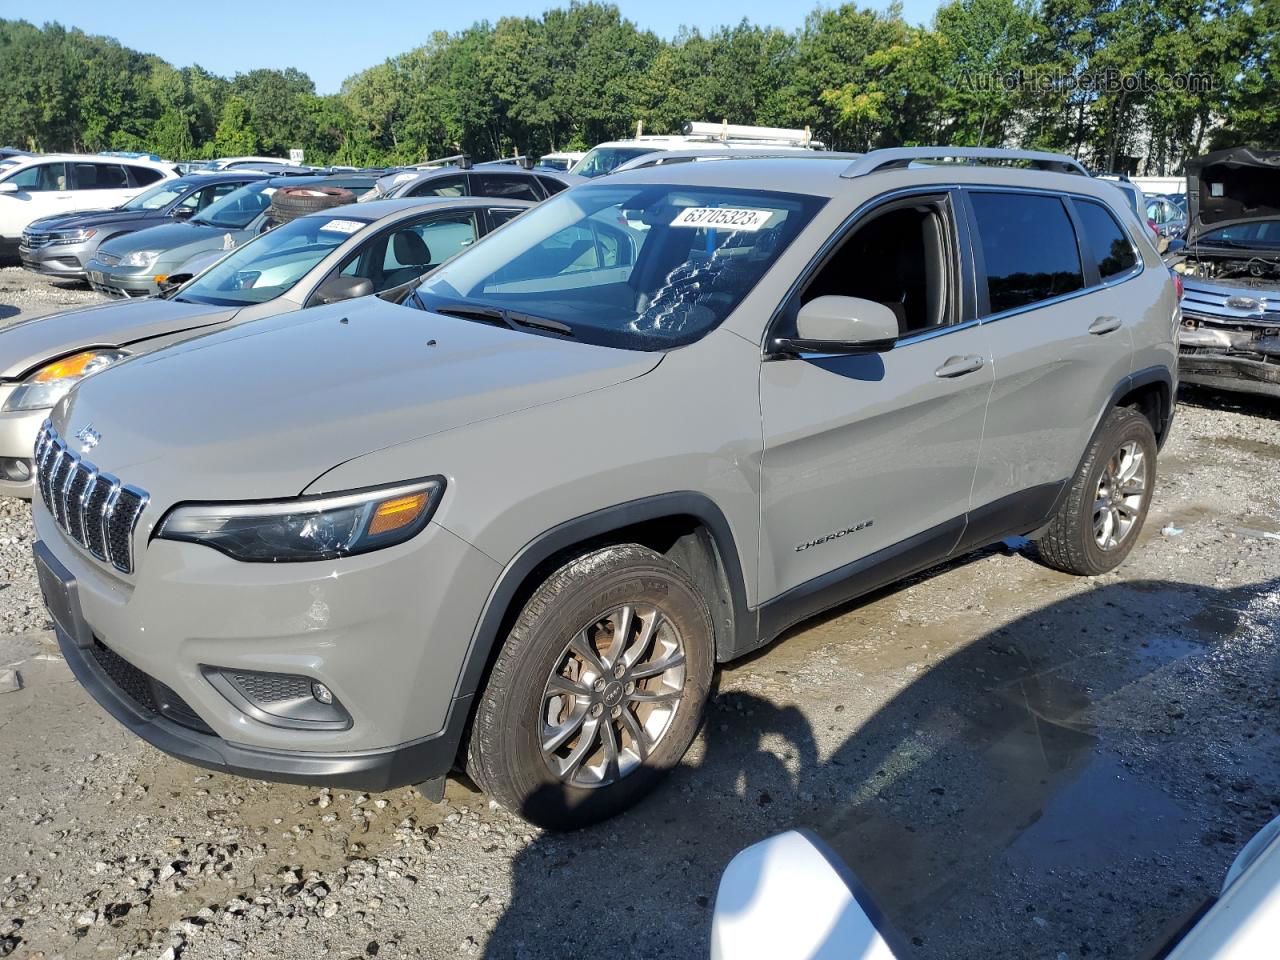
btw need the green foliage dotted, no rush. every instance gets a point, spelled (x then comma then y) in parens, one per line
(985, 72)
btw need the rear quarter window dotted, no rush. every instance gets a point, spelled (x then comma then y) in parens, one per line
(1028, 248)
(144, 176)
(1111, 247)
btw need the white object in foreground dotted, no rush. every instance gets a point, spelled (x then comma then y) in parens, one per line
(790, 898)
(787, 898)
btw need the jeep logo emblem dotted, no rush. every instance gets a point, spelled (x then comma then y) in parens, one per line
(88, 437)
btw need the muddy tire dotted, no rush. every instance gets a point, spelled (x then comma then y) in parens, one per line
(1102, 512)
(597, 691)
(289, 203)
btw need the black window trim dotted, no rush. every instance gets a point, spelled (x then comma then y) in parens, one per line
(124, 168)
(491, 224)
(477, 177)
(365, 244)
(1086, 256)
(467, 185)
(962, 239)
(1137, 253)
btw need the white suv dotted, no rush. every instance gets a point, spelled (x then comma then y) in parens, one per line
(48, 184)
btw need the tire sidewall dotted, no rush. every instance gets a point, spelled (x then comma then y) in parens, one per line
(588, 596)
(1131, 426)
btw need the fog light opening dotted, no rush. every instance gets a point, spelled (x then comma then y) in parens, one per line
(15, 469)
(321, 692)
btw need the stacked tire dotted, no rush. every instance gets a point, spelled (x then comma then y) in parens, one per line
(289, 203)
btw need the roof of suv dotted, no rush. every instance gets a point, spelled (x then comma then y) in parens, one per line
(397, 179)
(377, 209)
(830, 175)
(20, 160)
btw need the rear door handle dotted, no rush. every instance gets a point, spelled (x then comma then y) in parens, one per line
(1104, 325)
(959, 366)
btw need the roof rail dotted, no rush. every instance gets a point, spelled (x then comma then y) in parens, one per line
(897, 157)
(662, 157)
(461, 160)
(523, 161)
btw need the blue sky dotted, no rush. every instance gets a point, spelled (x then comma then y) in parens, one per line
(332, 39)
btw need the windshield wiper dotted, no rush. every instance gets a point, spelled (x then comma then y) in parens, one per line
(542, 323)
(468, 312)
(508, 318)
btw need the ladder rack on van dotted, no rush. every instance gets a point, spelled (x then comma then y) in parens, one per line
(897, 157)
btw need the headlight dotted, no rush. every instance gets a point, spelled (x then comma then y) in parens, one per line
(74, 236)
(53, 381)
(308, 528)
(139, 258)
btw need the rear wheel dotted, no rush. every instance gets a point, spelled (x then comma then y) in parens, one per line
(597, 691)
(1102, 514)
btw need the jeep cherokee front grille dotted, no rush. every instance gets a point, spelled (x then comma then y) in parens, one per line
(94, 509)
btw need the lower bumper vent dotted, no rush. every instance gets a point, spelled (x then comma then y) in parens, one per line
(145, 690)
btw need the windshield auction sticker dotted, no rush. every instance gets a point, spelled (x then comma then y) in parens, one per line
(722, 218)
(342, 226)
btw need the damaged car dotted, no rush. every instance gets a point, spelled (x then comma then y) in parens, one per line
(1229, 266)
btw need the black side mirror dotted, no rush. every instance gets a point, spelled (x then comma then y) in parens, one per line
(336, 289)
(173, 281)
(182, 213)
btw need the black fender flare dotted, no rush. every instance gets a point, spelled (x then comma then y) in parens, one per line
(1134, 381)
(1143, 378)
(595, 526)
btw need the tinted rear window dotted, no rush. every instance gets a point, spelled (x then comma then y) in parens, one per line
(505, 185)
(144, 176)
(1111, 247)
(552, 185)
(1029, 248)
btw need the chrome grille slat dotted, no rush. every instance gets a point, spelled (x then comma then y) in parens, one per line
(76, 483)
(108, 509)
(61, 477)
(93, 509)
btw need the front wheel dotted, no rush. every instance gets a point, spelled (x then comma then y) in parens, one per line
(597, 691)
(1101, 515)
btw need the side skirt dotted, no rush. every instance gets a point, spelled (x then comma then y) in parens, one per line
(1015, 515)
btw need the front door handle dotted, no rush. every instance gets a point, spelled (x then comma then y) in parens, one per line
(1104, 325)
(959, 366)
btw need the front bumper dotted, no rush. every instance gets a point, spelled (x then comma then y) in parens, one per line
(57, 261)
(1229, 355)
(408, 763)
(387, 632)
(1221, 371)
(120, 283)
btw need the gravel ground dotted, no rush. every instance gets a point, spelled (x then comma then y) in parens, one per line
(1017, 764)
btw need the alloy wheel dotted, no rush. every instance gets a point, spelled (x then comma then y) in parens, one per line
(612, 696)
(1117, 505)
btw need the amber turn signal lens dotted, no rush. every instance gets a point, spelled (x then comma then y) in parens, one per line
(73, 366)
(397, 513)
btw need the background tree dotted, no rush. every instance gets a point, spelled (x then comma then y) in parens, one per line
(986, 72)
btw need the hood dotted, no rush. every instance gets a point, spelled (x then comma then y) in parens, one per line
(262, 409)
(94, 218)
(1232, 186)
(31, 343)
(166, 236)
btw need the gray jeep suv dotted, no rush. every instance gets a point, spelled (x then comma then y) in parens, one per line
(511, 518)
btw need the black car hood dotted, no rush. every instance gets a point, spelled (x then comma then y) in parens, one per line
(1232, 186)
(93, 218)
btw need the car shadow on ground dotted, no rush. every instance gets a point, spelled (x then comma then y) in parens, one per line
(8, 310)
(1072, 784)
